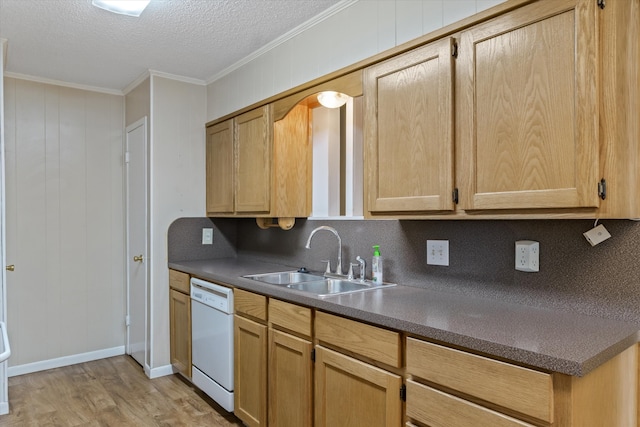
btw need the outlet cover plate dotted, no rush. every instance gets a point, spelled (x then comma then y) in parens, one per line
(527, 256)
(438, 252)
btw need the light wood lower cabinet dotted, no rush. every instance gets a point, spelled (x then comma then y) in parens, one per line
(437, 408)
(352, 393)
(250, 371)
(290, 380)
(250, 339)
(180, 322)
(448, 387)
(290, 365)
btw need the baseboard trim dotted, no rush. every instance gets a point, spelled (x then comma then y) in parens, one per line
(4, 408)
(64, 361)
(159, 372)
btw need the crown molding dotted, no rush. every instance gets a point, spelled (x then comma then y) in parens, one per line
(183, 79)
(62, 83)
(134, 84)
(282, 39)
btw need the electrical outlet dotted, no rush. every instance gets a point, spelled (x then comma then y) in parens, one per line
(207, 236)
(438, 252)
(527, 256)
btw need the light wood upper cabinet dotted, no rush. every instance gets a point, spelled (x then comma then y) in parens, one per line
(292, 164)
(409, 131)
(258, 168)
(253, 139)
(528, 109)
(220, 168)
(239, 164)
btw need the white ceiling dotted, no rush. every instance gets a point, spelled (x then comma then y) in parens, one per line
(75, 42)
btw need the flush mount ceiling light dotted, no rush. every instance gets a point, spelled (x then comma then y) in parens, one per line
(123, 7)
(331, 99)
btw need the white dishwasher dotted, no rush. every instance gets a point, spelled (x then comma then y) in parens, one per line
(212, 340)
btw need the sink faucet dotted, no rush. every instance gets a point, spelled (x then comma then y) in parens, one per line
(335, 233)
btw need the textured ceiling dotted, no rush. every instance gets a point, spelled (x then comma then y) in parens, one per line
(72, 41)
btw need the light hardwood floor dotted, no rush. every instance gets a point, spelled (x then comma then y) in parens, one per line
(109, 392)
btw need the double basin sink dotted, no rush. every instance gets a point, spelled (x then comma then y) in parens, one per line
(315, 283)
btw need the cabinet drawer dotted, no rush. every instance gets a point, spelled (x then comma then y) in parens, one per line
(253, 305)
(290, 316)
(369, 341)
(438, 409)
(520, 389)
(179, 281)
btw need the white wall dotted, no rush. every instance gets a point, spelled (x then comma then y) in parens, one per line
(65, 227)
(178, 115)
(357, 32)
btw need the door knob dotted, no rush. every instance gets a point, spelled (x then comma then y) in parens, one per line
(11, 267)
(138, 258)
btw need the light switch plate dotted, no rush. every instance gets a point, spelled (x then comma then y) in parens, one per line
(207, 236)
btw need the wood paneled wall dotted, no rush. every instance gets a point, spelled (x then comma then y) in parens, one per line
(65, 223)
(356, 32)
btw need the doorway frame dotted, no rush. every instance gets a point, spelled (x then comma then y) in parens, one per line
(4, 366)
(147, 258)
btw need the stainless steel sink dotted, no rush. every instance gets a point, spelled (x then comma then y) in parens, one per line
(316, 284)
(332, 286)
(284, 277)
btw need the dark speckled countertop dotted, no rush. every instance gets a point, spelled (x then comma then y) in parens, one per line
(551, 340)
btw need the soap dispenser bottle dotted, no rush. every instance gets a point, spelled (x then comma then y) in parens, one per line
(376, 265)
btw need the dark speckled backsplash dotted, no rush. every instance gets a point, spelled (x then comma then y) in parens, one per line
(603, 280)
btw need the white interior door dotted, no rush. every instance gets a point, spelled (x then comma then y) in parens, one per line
(137, 238)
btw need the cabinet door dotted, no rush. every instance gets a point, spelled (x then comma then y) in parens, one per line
(250, 371)
(253, 135)
(290, 386)
(220, 168)
(528, 104)
(351, 393)
(180, 331)
(409, 131)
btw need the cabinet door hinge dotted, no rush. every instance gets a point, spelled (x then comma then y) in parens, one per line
(127, 320)
(454, 49)
(454, 195)
(602, 189)
(126, 157)
(313, 355)
(602, 4)
(403, 393)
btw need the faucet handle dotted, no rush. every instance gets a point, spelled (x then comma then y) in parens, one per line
(350, 273)
(363, 267)
(328, 269)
